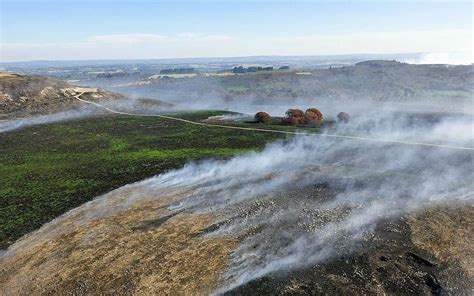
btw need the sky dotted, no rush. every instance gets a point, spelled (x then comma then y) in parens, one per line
(144, 30)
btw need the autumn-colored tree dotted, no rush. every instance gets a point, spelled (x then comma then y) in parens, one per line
(313, 116)
(262, 117)
(294, 117)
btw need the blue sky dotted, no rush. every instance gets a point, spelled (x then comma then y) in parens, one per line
(89, 30)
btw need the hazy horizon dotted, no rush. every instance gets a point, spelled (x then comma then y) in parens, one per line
(453, 58)
(40, 30)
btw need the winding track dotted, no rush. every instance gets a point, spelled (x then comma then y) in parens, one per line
(271, 131)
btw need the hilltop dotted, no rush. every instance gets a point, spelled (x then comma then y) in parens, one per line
(24, 95)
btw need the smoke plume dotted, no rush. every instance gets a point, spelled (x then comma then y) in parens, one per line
(9, 125)
(308, 199)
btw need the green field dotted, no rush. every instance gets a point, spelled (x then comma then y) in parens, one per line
(48, 169)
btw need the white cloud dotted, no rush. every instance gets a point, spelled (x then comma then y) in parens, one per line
(114, 46)
(154, 38)
(200, 37)
(127, 38)
(381, 42)
(190, 44)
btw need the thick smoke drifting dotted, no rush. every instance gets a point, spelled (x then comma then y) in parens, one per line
(308, 199)
(134, 106)
(9, 125)
(451, 58)
(266, 198)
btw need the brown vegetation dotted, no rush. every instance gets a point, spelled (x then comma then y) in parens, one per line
(145, 250)
(294, 117)
(447, 234)
(313, 116)
(262, 117)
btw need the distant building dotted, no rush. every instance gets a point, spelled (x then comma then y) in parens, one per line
(284, 68)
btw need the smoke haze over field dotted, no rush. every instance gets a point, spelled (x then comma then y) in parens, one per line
(9, 125)
(450, 58)
(309, 199)
(365, 86)
(286, 226)
(135, 106)
(236, 148)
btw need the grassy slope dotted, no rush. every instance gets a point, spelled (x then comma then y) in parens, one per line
(46, 170)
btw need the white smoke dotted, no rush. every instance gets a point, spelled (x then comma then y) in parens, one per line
(9, 125)
(449, 58)
(133, 106)
(272, 200)
(267, 191)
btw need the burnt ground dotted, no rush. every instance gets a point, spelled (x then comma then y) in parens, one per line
(427, 253)
(148, 249)
(389, 263)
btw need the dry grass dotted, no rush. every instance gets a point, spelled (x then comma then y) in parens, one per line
(447, 233)
(142, 250)
(7, 75)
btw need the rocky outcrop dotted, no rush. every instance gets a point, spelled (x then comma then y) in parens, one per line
(22, 96)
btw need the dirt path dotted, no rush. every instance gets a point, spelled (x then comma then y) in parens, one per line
(273, 131)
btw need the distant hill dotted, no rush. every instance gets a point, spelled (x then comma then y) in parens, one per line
(378, 81)
(379, 63)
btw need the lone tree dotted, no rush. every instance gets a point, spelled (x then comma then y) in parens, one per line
(294, 117)
(313, 116)
(343, 117)
(262, 117)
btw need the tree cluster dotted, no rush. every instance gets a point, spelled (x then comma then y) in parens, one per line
(177, 71)
(241, 69)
